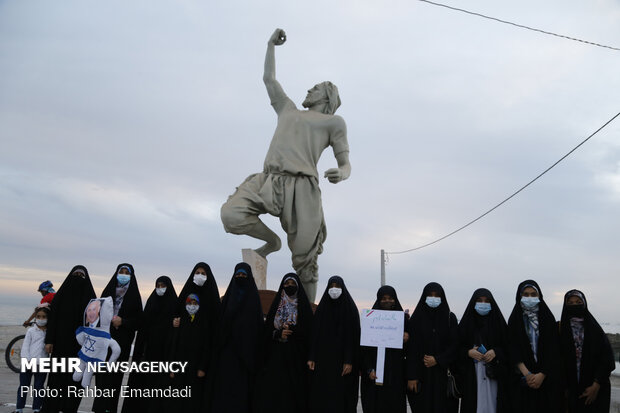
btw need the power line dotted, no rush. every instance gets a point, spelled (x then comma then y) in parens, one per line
(511, 196)
(519, 25)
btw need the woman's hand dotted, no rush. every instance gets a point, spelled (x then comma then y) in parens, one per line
(475, 354)
(116, 321)
(591, 393)
(429, 361)
(488, 356)
(346, 369)
(535, 380)
(311, 365)
(176, 322)
(286, 332)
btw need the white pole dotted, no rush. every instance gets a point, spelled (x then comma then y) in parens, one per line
(382, 268)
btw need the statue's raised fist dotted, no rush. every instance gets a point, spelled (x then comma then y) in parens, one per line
(278, 37)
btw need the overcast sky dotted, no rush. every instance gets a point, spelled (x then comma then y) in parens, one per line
(125, 125)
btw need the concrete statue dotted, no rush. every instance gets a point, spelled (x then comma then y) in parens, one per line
(288, 187)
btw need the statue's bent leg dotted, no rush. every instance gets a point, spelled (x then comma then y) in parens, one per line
(302, 219)
(240, 214)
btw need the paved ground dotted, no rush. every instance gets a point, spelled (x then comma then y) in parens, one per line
(9, 380)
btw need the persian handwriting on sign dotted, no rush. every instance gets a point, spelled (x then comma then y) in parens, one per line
(382, 328)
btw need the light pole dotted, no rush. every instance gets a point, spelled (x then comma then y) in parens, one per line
(382, 268)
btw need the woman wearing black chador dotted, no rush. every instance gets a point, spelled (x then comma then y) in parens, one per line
(282, 384)
(123, 288)
(534, 356)
(483, 355)
(432, 351)
(334, 352)
(587, 357)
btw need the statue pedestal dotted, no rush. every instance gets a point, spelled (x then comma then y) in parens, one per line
(259, 267)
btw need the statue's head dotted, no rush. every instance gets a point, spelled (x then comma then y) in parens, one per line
(324, 92)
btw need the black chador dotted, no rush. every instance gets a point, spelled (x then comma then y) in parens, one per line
(334, 351)
(67, 314)
(389, 397)
(151, 343)
(123, 288)
(432, 351)
(587, 357)
(192, 343)
(201, 283)
(533, 339)
(282, 383)
(483, 355)
(238, 345)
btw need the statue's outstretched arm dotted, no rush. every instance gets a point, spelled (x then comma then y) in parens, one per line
(274, 89)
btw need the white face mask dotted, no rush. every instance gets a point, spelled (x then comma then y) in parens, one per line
(200, 279)
(433, 302)
(192, 308)
(334, 292)
(530, 303)
(41, 321)
(160, 291)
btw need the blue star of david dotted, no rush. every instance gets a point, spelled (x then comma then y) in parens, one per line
(89, 344)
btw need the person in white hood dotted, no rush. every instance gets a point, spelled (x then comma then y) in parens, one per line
(33, 348)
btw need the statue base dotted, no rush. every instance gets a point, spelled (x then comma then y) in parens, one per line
(259, 267)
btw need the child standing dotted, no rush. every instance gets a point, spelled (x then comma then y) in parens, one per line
(33, 348)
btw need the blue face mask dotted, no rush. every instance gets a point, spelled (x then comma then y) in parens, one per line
(529, 303)
(433, 302)
(483, 308)
(123, 279)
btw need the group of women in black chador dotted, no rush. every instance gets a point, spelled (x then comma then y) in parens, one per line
(300, 361)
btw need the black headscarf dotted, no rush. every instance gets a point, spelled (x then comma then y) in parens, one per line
(132, 302)
(67, 310)
(208, 293)
(521, 349)
(489, 330)
(157, 316)
(428, 318)
(597, 360)
(304, 309)
(387, 290)
(242, 317)
(157, 305)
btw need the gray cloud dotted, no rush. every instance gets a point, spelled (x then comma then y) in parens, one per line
(126, 126)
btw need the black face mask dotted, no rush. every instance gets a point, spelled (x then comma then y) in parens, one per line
(242, 282)
(290, 290)
(575, 310)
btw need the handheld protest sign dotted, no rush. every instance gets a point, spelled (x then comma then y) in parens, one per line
(382, 329)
